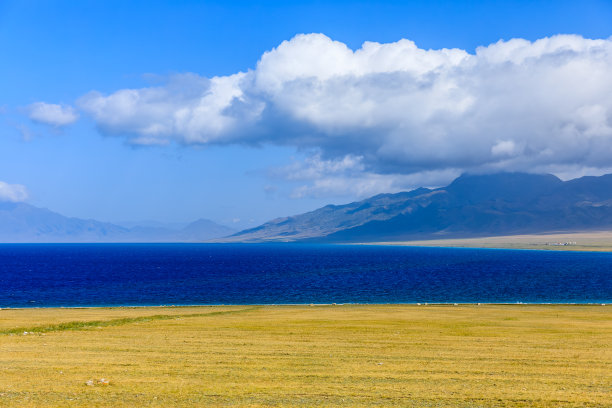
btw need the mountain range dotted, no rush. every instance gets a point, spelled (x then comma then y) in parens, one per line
(21, 222)
(471, 206)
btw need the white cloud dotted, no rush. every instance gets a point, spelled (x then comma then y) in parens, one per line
(392, 108)
(314, 167)
(13, 192)
(505, 148)
(52, 114)
(346, 177)
(358, 185)
(190, 109)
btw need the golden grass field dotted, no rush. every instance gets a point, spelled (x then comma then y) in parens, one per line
(344, 355)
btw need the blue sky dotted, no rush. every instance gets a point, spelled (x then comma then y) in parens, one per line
(303, 127)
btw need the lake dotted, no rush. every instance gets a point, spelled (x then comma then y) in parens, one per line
(71, 275)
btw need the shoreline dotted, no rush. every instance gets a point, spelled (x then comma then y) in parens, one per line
(596, 241)
(415, 304)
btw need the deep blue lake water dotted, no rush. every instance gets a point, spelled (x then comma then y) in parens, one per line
(41, 275)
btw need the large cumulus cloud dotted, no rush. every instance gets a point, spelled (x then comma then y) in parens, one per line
(399, 109)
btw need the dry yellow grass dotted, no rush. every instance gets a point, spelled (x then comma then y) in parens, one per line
(351, 355)
(596, 241)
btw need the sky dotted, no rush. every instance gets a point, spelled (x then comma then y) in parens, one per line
(241, 112)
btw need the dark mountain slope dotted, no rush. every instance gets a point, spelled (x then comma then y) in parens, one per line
(472, 205)
(332, 218)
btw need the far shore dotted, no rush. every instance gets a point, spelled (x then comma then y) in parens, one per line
(257, 305)
(596, 241)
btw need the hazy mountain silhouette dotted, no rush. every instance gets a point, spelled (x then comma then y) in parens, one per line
(20, 222)
(472, 205)
(203, 229)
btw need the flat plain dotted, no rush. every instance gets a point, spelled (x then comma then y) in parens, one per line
(595, 241)
(320, 355)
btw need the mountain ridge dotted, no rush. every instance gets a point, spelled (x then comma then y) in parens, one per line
(471, 205)
(25, 223)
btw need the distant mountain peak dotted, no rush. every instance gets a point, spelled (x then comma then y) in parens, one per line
(21, 222)
(514, 186)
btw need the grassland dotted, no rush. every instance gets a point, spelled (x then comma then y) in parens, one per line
(596, 241)
(344, 355)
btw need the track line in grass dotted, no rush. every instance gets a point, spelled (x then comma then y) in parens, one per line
(84, 325)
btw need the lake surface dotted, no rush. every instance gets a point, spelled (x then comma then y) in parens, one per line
(41, 275)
